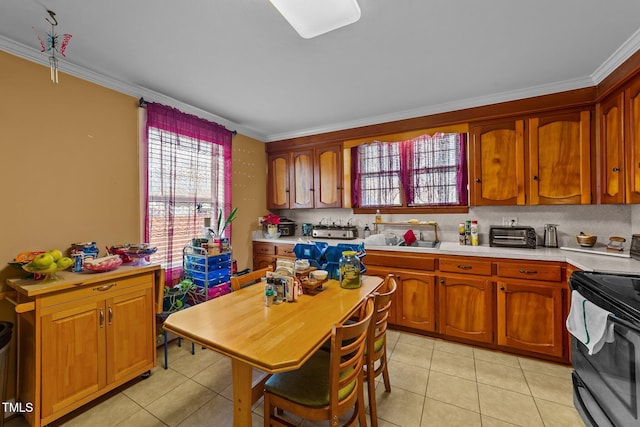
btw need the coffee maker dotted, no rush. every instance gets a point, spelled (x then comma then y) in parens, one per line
(550, 236)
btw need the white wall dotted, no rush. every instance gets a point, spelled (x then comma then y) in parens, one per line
(602, 220)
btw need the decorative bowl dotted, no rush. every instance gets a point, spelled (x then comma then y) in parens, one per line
(586, 240)
(100, 265)
(319, 274)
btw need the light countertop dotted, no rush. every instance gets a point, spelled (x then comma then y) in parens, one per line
(583, 261)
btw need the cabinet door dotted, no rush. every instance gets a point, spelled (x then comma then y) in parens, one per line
(530, 317)
(382, 273)
(129, 347)
(73, 353)
(466, 308)
(497, 168)
(302, 179)
(416, 300)
(328, 177)
(278, 195)
(559, 159)
(263, 261)
(632, 143)
(612, 149)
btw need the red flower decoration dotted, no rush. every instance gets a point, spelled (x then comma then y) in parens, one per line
(271, 219)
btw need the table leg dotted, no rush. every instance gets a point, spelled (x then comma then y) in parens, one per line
(241, 373)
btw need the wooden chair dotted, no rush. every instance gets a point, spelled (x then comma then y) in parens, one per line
(377, 343)
(329, 384)
(238, 282)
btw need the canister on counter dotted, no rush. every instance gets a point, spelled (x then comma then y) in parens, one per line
(462, 237)
(349, 267)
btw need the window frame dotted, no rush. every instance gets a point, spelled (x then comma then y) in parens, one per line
(403, 136)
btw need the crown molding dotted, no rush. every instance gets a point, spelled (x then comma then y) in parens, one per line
(136, 91)
(441, 108)
(628, 48)
(617, 58)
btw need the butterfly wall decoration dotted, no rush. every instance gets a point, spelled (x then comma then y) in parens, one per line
(51, 43)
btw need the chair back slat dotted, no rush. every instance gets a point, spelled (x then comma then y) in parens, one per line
(348, 344)
(238, 282)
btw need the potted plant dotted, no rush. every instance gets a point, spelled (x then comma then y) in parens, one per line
(175, 297)
(270, 226)
(222, 243)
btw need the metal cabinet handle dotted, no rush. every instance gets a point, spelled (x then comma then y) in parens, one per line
(502, 288)
(110, 315)
(535, 177)
(523, 271)
(442, 281)
(616, 169)
(105, 287)
(478, 180)
(102, 318)
(465, 267)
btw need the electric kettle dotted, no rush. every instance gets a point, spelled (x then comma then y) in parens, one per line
(550, 236)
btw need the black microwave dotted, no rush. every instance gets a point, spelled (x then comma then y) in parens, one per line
(513, 237)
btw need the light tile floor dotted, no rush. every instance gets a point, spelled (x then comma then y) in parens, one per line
(434, 383)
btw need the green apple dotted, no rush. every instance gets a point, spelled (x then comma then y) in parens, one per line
(56, 254)
(42, 261)
(64, 263)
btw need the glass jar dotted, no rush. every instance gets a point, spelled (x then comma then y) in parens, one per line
(349, 270)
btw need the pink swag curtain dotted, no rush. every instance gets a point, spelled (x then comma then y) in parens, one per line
(188, 172)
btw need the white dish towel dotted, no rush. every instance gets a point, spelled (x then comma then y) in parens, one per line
(589, 323)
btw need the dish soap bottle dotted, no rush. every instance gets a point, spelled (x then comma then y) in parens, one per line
(378, 217)
(366, 231)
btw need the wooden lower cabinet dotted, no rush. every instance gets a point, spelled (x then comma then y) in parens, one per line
(415, 300)
(466, 307)
(530, 316)
(82, 342)
(266, 254)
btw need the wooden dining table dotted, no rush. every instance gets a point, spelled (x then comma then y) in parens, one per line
(272, 339)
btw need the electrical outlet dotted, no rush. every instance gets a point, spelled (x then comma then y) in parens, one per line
(509, 221)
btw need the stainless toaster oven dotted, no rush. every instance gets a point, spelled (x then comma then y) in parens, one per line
(513, 237)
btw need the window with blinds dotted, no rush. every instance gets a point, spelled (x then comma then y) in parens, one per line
(426, 171)
(186, 185)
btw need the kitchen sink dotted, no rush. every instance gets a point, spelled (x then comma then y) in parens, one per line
(422, 244)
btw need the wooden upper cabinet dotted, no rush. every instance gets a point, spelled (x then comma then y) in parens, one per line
(278, 194)
(610, 114)
(496, 157)
(328, 177)
(632, 142)
(302, 179)
(310, 178)
(560, 159)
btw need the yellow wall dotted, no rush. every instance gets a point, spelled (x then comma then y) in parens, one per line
(68, 162)
(69, 168)
(249, 195)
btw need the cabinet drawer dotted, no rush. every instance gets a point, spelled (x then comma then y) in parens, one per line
(264, 248)
(399, 260)
(104, 289)
(465, 266)
(521, 270)
(285, 251)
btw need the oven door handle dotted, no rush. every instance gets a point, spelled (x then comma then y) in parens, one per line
(624, 323)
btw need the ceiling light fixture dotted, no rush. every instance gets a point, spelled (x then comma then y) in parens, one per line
(311, 18)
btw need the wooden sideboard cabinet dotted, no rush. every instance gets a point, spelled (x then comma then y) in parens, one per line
(85, 335)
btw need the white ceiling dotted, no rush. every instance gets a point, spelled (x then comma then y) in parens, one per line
(238, 62)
